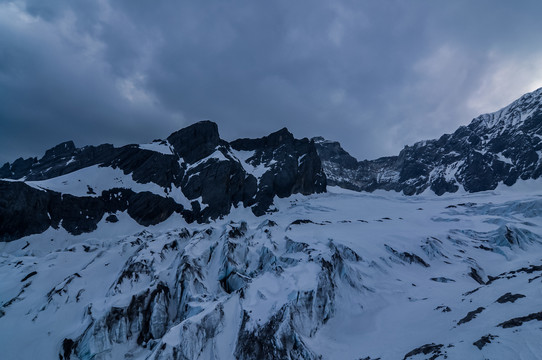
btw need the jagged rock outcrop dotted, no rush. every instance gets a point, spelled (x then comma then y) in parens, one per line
(501, 147)
(193, 173)
(23, 210)
(196, 141)
(294, 166)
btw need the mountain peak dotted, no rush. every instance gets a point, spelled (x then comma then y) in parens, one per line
(499, 147)
(194, 173)
(196, 141)
(513, 114)
(282, 136)
(63, 149)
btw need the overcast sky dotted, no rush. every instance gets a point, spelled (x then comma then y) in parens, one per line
(374, 75)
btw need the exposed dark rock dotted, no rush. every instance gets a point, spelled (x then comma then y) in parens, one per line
(332, 151)
(64, 149)
(17, 169)
(484, 340)
(442, 279)
(147, 166)
(196, 141)
(483, 247)
(471, 291)
(293, 167)
(509, 297)
(301, 221)
(470, 316)
(220, 184)
(443, 308)
(77, 214)
(212, 183)
(112, 218)
(23, 210)
(67, 347)
(527, 270)
(428, 349)
(29, 276)
(150, 209)
(60, 160)
(407, 257)
(476, 276)
(515, 322)
(237, 231)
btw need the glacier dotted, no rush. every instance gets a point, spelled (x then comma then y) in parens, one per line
(337, 275)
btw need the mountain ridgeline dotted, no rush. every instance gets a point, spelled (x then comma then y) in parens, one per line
(500, 147)
(201, 177)
(193, 172)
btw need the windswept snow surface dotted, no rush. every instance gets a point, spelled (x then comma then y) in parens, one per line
(93, 180)
(341, 275)
(162, 147)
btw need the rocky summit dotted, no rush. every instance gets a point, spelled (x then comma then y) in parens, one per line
(500, 147)
(193, 172)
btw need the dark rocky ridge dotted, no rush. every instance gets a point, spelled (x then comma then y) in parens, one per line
(203, 166)
(296, 167)
(25, 210)
(500, 147)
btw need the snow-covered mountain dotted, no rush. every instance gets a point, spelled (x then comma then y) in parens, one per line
(193, 173)
(195, 248)
(501, 147)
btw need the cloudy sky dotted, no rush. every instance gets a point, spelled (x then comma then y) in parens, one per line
(375, 75)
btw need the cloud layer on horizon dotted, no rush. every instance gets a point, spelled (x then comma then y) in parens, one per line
(373, 75)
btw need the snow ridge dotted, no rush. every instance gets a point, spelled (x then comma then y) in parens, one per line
(515, 113)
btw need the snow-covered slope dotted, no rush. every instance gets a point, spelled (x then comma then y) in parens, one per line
(495, 148)
(341, 275)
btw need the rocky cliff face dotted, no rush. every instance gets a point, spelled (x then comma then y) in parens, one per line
(501, 147)
(193, 173)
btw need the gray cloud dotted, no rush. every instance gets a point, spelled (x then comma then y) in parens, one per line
(375, 75)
